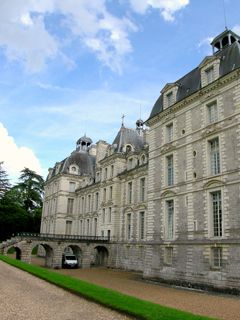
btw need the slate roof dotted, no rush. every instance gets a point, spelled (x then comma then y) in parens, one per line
(128, 136)
(191, 82)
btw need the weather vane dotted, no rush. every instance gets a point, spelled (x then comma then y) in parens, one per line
(123, 116)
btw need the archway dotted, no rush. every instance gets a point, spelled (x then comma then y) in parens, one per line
(45, 252)
(75, 250)
(15, 252)
(101, 256)
(38, 255)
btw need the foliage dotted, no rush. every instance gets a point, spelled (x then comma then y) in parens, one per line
(140, 309)
(4, 181)
(21, 205)
(31, 188)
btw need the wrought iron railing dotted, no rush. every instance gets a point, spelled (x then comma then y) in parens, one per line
(63, 237)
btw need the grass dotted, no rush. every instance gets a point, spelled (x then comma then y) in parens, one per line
(135, 307)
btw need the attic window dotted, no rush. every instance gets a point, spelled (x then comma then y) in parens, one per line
(169, 97)
(209, 75)
(74, 169)
(128, 148)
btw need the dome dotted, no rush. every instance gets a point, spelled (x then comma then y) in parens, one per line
(83, 143)
(128, 137)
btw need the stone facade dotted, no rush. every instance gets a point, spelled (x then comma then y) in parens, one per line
(167, 197)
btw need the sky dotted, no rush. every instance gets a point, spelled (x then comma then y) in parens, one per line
(69, 68)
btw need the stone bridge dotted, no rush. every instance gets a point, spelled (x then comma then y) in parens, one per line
(90, 251)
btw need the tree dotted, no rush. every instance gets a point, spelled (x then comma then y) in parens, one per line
(31, 188)
(4, 181)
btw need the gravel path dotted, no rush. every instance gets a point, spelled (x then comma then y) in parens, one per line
(24, 297)
(212, 305)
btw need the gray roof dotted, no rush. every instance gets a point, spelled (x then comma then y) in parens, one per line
(191, 82)
(128, 136)
(84, 161)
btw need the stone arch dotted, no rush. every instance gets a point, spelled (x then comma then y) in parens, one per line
(38, 254)
(16, 250)
(76, 250)
(101, 256)
(49, 253)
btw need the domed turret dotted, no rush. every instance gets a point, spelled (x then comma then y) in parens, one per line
(83, 143)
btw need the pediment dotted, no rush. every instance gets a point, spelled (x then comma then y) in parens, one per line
(169, 86)
(214, 183)
(168, 194)
(207, 60)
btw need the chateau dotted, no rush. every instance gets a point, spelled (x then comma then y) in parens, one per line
(167, 197)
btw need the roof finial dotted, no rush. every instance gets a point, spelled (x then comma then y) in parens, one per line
(123, 116)
(225, 18)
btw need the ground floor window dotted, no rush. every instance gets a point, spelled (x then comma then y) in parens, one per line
(168, 255)
(216, 257)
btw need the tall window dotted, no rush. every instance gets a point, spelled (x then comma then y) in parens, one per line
(68, 227)
(72, 186)
(81, 227)
(129, 226)
(168, 255)
(216, 256)
(82, 205)
(129, 192)
(216, 199)
(141, 225)
(70, 205)
(142, 189)
(169, 219)
(110, 192)
(105, 173)
(104, 194)
(214, 156)
(103, 215)
(109, 215)
(169, 99)
(169, 170)
(112, 170)
(212, 112)
(209, 75)
(88, 227)
(169, 132)
(95, 226)
(89, 203)
(96, 200)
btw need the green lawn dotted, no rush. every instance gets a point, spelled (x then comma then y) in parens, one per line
(140, 309)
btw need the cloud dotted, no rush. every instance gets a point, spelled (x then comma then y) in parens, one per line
(205, 41)
(28, 39)
(16, 157)
(28, 35)
(167, 7)
(236, 29)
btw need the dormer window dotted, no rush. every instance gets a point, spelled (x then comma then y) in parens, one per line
(169, 99)
(128, 148)
(209, 75)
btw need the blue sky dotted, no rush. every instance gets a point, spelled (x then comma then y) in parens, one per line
(73, 67)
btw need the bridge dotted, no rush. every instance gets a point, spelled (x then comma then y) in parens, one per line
(89, 250)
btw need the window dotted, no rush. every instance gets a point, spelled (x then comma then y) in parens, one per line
(216, 200)
(168, 255)
(141, 225)
(129, 192)
(72, 186)
(212, 112)
(169, 132)
(95, 226)
(82, 205)
(102, 233)
(89, 203)
(112, 170)
(81, 227)
(105, 173)
(88, 227)
(216, 257)
(110, 192)
(109, 215)
(129, 226)
(170, 170)
(209, 75)
(70, 205)
(142, 189)
(103, 216)
(169, 219)
(130, 163)
(169, 99)
(104, 194)
(128, 148)
(214, 156)
(96, 200)
(109, 234)
(68, 227)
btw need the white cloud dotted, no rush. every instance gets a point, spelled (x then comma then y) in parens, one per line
(16, 157)
(167, 7)
(26, 37)
(236, 29)
(205, 41)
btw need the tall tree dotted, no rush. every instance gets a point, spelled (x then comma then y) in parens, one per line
(4, 181)
(31, 188)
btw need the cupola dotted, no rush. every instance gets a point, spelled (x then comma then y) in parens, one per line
(223, 40)
(83, 143)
